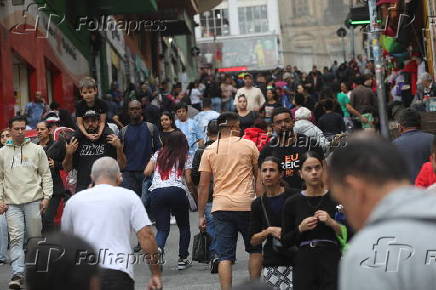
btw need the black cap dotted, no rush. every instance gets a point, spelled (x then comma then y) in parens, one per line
(91, 114)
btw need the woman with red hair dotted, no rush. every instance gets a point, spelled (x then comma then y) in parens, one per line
(171, 169)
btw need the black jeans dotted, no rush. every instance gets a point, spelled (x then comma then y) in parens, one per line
(48, 225)
(116, 280)
(133, 180)
(317, 268)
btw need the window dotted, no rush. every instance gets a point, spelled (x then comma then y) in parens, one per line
(301, 8)
(215, 23)
(253, 19)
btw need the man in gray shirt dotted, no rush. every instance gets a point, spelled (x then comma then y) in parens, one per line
(413, 144)
(394, 248)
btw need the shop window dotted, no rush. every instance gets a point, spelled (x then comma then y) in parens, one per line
(253, 19)
(301, 8)
(215, 23)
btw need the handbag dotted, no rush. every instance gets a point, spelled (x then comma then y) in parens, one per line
(276, 243)
(200, 247)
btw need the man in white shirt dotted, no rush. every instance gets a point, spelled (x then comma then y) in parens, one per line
(104, 216)
(255, 98)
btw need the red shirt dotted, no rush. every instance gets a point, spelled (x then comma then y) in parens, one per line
(426, 176)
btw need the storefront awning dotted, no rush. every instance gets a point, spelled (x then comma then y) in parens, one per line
(206, 5)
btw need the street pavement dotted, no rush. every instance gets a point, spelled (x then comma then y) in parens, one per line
(196, 277)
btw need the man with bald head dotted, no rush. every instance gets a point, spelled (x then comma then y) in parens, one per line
(140, 139)
(104, 216)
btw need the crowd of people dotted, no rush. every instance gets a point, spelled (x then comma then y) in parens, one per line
(290, 160)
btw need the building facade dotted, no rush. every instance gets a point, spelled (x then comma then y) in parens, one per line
(49, 45)
(309, 32)
(240, 35)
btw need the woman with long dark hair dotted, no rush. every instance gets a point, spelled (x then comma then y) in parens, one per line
(167, 125)
(171, 169)
(246, 117)
(308, 223)
(265, 225)
(55, 157)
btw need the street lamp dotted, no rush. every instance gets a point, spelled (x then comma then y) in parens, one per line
(342, 33)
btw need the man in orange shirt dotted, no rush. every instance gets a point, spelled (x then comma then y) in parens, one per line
(232, 162)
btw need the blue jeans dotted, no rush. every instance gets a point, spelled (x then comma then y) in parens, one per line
(3, 238)
(227, 106)
(22, 218)
(168, 200)
(210, 228)
(216, 104)
(133, 180)
(146, 195)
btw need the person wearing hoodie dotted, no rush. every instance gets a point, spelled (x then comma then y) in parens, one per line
(258, 134)
(304, 126)
(393, 248)
(26, 187)
(427, 175)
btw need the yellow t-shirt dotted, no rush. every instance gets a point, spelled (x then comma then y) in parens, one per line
(232, 168)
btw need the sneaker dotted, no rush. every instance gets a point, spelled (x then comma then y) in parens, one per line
(214, 265)
(183, 264)
(137, 248)
(16, 282)
(161, 260)
(173, 220)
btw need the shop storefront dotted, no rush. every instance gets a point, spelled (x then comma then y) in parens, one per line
(32, 60)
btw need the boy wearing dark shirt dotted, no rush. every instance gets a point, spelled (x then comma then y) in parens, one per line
(88, 91)
(331, 123)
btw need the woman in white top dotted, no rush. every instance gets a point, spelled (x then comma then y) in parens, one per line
(171, 169)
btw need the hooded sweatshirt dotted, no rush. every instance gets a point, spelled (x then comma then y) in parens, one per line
(396, 248)
(24, 173)
(258, 136)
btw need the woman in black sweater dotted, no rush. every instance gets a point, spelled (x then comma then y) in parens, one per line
(265, 225)
(308, 223)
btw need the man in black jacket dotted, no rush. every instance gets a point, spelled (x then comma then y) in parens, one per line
(55, 153)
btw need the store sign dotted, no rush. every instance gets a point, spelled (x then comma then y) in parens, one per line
(72, 58)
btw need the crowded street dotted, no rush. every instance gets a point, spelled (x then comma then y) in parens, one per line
(217, 144)
(196, 278)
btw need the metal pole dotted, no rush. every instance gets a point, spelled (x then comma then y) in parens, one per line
(379, 72)
(343, 49)
(353, 53)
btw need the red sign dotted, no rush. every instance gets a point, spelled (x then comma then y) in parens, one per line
(235, 68)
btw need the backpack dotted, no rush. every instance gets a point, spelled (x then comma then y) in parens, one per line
(152, 130)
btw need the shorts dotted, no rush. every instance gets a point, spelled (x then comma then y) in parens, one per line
(227, 226)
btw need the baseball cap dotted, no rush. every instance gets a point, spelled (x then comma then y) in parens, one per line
(91, 114)
(52, 117)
